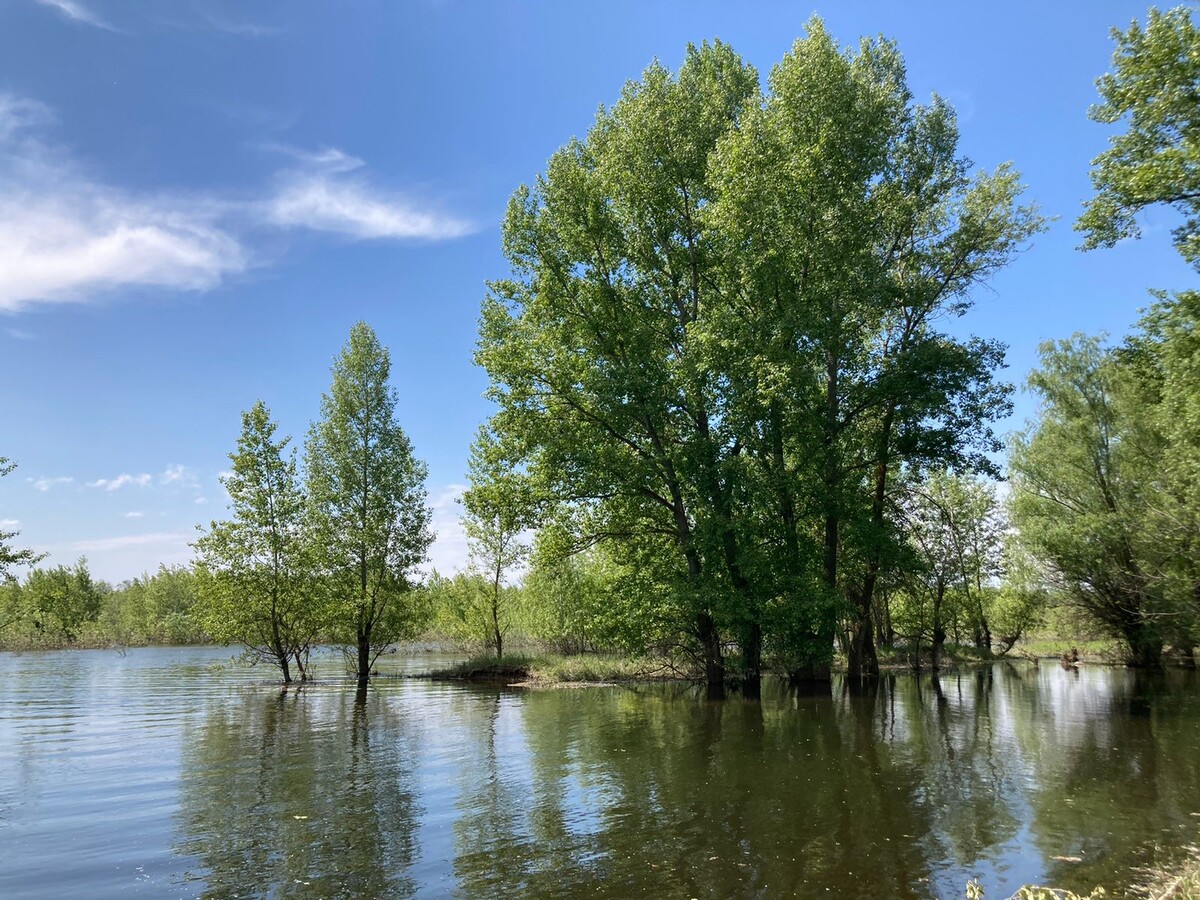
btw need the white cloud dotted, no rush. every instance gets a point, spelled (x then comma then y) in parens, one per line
(179, 475)
(327, 159)
(45, 484)
(66, 236)
(123, 480)
(77, 12)
(9, 523)
(200, 501)
(348, 207)
(134, 514)
(18, 335)
(449, 552)
(18, 113)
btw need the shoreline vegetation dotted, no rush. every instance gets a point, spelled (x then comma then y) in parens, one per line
(1177, 881)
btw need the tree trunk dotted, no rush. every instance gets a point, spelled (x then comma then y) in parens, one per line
(364, 659)
(497, 637)
(714, 665)
(1145, 646)
(939, 630)
(811, 677)
(752, 661)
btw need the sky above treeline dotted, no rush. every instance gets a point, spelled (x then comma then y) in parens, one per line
(199, 198)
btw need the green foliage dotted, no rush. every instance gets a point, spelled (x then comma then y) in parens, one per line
(579, 600)
(1154, 89)
(260, 586)
(719, 342)
(1077, 476)
(499, 508)
(11, 557)
(1033, 892)
(367, 509)
(1103, 494)
(159, 608)
(466, 610)
(955, 530)
(61, 600)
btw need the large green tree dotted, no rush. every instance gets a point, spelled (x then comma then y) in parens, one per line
(63, 599)
(592, 346)
(855, 230)
(259, 586)
(720, 338)
(367, 500)
(1154, 90)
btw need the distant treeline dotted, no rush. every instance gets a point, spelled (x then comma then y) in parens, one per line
(64, 606)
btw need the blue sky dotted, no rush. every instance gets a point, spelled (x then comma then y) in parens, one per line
(199, 198)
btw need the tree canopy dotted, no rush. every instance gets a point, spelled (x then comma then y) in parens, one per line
(1154, 90)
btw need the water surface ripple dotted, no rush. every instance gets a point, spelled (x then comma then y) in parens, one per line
(176, 772)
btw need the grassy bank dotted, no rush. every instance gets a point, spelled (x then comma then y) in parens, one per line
(548, 669)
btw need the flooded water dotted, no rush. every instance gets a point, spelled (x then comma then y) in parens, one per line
(171, 772)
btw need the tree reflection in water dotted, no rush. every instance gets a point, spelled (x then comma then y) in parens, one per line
(302, 794)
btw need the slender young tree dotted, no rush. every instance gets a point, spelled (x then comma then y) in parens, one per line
(258, 587)
(367, 499)
(498, 511)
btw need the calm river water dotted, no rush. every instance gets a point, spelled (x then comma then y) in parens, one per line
(173, 772)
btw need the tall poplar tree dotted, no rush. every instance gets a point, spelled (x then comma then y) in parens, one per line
(367, 499)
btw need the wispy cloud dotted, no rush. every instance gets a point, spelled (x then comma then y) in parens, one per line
(19, 335)
(123, 480)
(241, 29)
(179, 475)
(351, 208)
(77, 12)
(68, 237)
(44, 484)
(327, 159)
(321, 194)
(9, 523)
(134, 514)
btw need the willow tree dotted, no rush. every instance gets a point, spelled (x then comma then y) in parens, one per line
(1081, 475)
(258, 585)
(367, 503)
